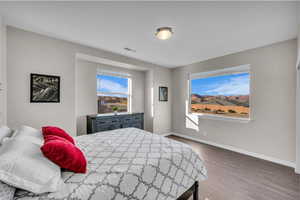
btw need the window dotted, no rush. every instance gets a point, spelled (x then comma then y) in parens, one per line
(113, 91)
(221, 93)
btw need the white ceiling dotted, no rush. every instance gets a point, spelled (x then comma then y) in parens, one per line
(202, 30)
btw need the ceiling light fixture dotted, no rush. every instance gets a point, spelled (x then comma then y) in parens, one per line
(164, 33)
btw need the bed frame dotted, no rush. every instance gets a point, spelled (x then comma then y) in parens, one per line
(192, 191)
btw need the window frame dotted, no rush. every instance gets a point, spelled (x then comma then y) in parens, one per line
(129, 91)
(225, 71)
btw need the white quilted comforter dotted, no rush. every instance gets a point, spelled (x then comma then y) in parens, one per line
(129, 164)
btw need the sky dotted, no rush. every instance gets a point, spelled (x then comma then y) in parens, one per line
(112, 84)
(227, 85)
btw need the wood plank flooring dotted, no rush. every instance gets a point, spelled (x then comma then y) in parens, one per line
(233, 176)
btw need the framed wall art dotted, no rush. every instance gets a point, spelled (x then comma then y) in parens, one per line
(163, 93)
(44, 88)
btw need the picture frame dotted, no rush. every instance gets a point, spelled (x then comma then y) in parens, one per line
(163, 93)
(44, 88)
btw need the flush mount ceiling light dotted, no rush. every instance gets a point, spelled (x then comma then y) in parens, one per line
(164, 33)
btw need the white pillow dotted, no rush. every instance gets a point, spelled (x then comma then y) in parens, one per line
(4, 132)
(31, 134)
(7, 192)
(23, 166)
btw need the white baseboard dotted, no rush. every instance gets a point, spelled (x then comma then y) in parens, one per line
(238, 150)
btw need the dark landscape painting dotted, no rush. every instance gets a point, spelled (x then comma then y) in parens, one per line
(44, 88)
(226, 95)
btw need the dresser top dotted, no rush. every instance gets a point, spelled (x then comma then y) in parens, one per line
(112, 114)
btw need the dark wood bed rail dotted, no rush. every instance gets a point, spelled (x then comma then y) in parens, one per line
(192, 191)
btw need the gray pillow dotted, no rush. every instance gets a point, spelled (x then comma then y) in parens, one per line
(6, 192)
(4, 132)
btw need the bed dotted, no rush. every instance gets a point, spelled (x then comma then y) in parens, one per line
(130, 164)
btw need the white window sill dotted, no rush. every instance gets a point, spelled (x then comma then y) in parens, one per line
(222, 118)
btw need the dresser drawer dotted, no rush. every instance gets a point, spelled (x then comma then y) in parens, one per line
(132, 125)
(138, 117)
(106, 120)
(108, 127)
(131, 118)
(97, 123)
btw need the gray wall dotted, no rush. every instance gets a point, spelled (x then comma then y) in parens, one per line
(298, 109)
(148, 117)
(34, 53)
(85, 92)
(298, 99)
(2, 72)
(162, 109)
(86, 95)
(273, 92)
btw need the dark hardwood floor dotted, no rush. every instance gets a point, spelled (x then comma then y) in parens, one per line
(233, 176)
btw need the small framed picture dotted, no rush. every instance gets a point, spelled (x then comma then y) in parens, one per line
(44, 88)
(163, 93)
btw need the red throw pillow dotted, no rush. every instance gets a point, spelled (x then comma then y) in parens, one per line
(52, 130)
(64, 154)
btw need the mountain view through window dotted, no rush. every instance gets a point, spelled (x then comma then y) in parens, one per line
(225, 95)
(113, 93)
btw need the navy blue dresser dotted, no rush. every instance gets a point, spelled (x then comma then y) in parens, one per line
(97, 123)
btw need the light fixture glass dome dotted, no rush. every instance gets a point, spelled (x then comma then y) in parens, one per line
(164, 33)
